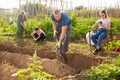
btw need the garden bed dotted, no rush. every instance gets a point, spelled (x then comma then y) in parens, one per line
(17, 58)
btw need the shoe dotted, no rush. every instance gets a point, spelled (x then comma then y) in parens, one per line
(100, 48)
(96, 51)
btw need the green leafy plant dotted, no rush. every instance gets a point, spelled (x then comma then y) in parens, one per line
(80, 26)
(117, 61)
(106, 71)
(33, 72)
(113, 45)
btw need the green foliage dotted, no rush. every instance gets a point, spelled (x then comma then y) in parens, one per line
(32, 23)
(113, 45)
(115, 25)
(33, 72)
(44, 24)
(117, 61)
(6, 68)
(106, 71)
(5, 27)
(80, 26)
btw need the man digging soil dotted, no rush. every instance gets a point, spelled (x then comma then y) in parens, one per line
(62, 30)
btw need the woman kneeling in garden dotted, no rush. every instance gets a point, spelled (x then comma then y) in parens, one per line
(38, 34)
(104, 25)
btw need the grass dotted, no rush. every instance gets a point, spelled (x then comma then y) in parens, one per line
(46, 45)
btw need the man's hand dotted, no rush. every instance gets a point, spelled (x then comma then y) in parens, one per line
(58, 45)
(54, 34)
(21, 24)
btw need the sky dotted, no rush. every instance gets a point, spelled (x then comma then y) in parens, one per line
(9, 4)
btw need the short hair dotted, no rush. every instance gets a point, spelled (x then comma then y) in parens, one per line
(22, 12)
(56, 11)
(36, 28)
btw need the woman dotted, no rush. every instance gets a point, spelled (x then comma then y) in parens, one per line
(104, 25)
(38, 34)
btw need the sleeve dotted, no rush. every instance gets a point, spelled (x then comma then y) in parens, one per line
(65, 21)
(19, 18)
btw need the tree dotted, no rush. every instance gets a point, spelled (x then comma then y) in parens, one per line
(79, 8)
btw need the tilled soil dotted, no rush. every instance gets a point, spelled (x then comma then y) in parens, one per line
(17, 57)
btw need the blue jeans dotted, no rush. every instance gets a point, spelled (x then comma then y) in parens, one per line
(99, 36)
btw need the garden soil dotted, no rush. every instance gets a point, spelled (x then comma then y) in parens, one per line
(13, 58)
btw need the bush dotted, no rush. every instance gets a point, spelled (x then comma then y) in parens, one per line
(106, 71)
(80, 26)
(113, 45)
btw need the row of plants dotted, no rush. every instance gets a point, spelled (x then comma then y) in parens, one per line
(106, 71)
(113, 45)
(80, 26)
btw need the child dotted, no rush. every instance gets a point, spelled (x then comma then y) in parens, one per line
(38, 34)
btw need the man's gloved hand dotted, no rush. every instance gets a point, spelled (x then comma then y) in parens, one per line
(58, 45)
(55, 32)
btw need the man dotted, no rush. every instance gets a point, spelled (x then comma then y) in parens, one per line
(62, 30)
(20, 23)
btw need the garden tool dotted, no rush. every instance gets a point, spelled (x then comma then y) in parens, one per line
(59, 56)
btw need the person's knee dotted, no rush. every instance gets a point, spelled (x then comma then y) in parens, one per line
(102, 37)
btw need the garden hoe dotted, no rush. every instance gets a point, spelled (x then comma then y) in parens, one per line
(58, 54)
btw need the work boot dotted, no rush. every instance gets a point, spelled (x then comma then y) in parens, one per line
(96, 51)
